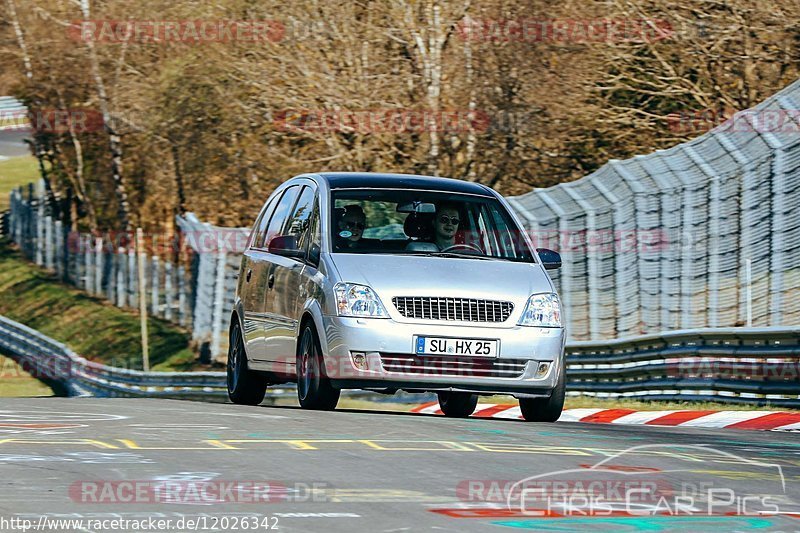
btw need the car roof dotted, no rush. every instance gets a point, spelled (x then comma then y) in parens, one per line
(354, 180)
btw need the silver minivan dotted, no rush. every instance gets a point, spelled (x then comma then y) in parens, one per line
(391, 282)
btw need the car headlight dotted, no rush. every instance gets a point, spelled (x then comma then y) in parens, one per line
(358, 300)
(542, 310)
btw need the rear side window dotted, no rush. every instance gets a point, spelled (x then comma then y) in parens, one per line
(260, 227)
(278, 220)
(298, 223)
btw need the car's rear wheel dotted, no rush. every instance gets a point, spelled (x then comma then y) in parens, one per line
(314, 389)
(245, 386)
(545, 409)
(457, 404)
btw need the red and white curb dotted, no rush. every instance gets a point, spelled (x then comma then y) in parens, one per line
(761, 420)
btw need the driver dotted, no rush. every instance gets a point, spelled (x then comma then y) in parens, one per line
(445, 225)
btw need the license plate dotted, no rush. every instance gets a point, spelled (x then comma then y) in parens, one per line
(446, 346)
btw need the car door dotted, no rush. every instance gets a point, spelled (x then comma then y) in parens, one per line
(287, 294)
(250, 290)
(259, 269)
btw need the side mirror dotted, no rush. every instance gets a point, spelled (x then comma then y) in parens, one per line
(286, 246)
(550, 260)
(313, 254)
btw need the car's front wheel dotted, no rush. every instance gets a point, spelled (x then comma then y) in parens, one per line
(245, 386)
(545, 409)
(457, 404)
(314, 389)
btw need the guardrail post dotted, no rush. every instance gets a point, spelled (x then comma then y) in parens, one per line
(98, 272)
(39, 221)
(48, 242)
(119, 260)
(133, 294)
(218, 311)
(29, 248)
(58, 247)
(203, 298)
(154, 286)
(182, 296)
(110, 273)
(20, 217)
(88, 278)
(169, 293)
(14, 216)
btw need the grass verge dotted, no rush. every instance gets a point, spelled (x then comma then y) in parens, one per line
(14, 172)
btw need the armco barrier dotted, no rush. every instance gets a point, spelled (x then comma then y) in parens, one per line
(54, 362)
(734, 365)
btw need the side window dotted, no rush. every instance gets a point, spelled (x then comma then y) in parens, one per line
(280, 215)
(490, 237)
(298, 223)
(510, 240)
(257, 236)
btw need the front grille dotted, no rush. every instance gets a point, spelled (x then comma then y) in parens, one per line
(456, 309)
(453, 366)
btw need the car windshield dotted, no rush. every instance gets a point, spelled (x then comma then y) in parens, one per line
(390, 221)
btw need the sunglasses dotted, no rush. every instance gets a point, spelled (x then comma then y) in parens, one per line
(354, 225)
(444, 219)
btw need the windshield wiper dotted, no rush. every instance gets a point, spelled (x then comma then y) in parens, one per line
(457, 256)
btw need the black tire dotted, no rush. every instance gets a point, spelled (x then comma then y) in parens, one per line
(245, 386)
(314, 389)
(545, 409)
(457, 404)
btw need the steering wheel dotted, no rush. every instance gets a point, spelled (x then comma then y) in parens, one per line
(465, 246)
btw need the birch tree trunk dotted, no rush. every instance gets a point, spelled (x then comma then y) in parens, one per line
(114, 139)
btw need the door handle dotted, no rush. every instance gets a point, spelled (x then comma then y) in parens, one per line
(249, 275)
(271, 280)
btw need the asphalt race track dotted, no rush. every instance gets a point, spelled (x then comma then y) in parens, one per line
(295, 470)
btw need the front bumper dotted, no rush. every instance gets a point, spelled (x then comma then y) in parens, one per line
(379, 340)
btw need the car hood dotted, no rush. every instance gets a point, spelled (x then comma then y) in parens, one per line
(405, 275)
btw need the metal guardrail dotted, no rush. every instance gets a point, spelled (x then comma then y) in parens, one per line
(735, 365)
(756, 366)
(55, 363)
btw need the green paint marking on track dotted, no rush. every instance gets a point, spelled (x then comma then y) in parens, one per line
(760, 444)
(582, 435)
(491, 431)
